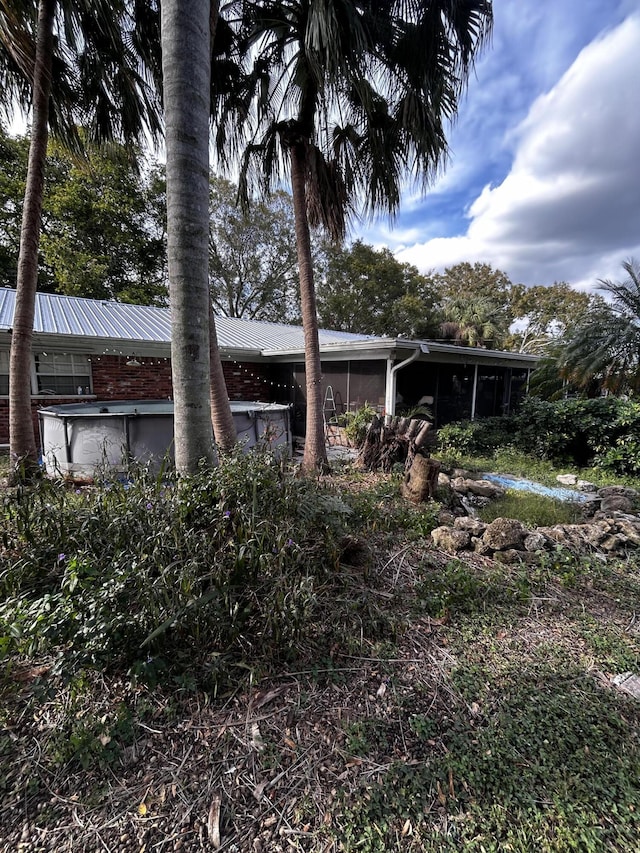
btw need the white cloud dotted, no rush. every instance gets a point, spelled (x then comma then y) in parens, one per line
(569, 208)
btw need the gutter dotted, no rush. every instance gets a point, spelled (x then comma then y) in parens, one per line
(392, 373)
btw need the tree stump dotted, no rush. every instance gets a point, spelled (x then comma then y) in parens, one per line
(421, 479)
(393, 441)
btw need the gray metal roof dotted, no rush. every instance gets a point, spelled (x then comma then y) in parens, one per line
(116, 321)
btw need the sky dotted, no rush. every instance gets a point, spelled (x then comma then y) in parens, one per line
(543, 178)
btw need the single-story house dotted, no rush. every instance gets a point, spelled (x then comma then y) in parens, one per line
(87, 349)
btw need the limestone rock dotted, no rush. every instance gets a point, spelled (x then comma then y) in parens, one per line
(505, 533)
(446, 517)
(596, 532)
(613, 543)
(535, 541)
(484, 489)
(586, 486)
(473, 525)
(567, 479)
(450, 539)
(610, 491)
(631, 530)
(569, 536)
(458, 484)
(512, 555)
(443, 479)
(616, 503)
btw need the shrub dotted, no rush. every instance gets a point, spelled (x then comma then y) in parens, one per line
(177, 573)
(474, 438)
(357, 424)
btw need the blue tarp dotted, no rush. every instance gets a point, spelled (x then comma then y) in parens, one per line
(522, 485)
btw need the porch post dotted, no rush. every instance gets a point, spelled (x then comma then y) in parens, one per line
(390, 389)
(473, 395)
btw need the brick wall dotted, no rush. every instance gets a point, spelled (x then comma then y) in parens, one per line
(113, 380)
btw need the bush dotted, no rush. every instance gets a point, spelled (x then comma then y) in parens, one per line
(475, 438)
(175, 574)
(357, 424)
(603, 432)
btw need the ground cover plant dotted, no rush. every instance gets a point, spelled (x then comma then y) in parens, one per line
(251, 661)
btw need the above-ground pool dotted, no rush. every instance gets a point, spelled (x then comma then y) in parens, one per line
(79, 439)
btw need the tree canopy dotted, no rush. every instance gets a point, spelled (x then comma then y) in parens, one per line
(366, 290)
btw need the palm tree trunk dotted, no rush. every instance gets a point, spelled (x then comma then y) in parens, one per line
(24, 457)
(315, 453)
(186, 65)
(224, 428)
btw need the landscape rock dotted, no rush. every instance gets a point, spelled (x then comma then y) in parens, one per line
(597, 531)
(535, 541)
(480, 548)
(569, 536)
(451, 540)
(567, 479)
(631, 529)
(505, 533)
(616, 503)
(443, 479)
(445, 516)
(473, 525)
(512, 556)
(610, 491)
(483, 489)
(613, 543)
(586, 486)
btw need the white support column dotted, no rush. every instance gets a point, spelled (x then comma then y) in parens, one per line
(475, 390)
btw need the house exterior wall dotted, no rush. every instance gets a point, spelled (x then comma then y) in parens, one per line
(113, 379)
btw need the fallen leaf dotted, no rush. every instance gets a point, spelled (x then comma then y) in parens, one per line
(142, 809)
(381, 690)
(406, 829)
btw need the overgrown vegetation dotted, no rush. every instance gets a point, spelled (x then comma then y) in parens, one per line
(531, 509)
(297, 652)
(603, 433)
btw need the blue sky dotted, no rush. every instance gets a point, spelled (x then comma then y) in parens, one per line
(543, 179)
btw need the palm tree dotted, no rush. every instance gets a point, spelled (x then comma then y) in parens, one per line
(67, 61)
(473, 322)
(346, 96)
(603, 354)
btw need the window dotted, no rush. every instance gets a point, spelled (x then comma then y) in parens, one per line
(62, 374)
(4, 373)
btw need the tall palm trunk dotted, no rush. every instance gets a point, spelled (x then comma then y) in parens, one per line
(22, 441)
(186, 65)
(315, 452)
(224, 428)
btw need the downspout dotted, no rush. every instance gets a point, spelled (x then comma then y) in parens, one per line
(392, 370)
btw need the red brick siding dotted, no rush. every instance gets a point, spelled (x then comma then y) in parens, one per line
(112, 379)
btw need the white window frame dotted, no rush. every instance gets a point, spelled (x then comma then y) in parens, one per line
(75, 365)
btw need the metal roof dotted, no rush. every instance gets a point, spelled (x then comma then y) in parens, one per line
(85, 322)
(117, 321)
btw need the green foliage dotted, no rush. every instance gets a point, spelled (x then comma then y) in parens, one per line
(458, 588)
(550, 764)
(168, 575)
(357, 423)
(603, 432)
(379, 508)
(252, 256)
(365, 290)
(474, 438)
(531, 509)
